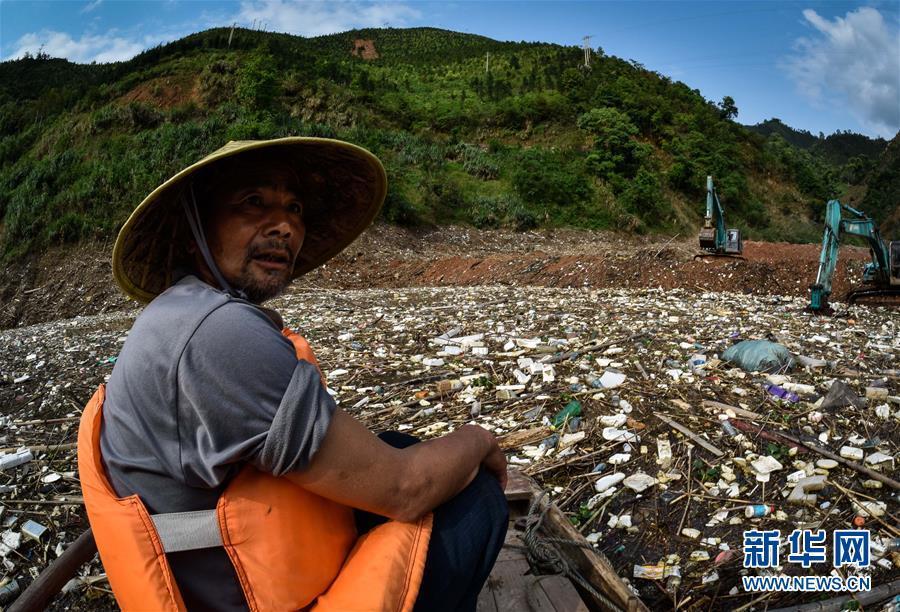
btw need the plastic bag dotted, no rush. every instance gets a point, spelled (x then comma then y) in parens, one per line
(759, 356)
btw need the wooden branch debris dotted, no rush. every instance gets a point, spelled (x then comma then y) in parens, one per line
(690, 434)
(720, 407)
(42, 448)
(522, 437)
(850, 464)
(588, 349)
(772, 436)
(51, 581)
(48, 421)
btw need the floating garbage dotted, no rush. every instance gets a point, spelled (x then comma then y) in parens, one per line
(758, 510)
(33, 530)
(656, 572)
(759, 356)
(9, 589)
(9, 541)
(782, 393)
(606, 482)
(611, 380)
(620, 458)
(840, 395)
(618, 465)
(663, 452)
(572, 409)
(764, 466)
(852, 453)
(618, 435)
(11, 460)
(639, 482)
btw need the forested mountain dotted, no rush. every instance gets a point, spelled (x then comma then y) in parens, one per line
(882, 199)
(471, 130)
(856, 155)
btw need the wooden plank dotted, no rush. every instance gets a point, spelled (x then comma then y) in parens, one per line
(486, 601)
(562, 594)
(510, 554)
(515, 590)
(518, 486)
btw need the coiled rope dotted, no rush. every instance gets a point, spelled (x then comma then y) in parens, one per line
(543, 554)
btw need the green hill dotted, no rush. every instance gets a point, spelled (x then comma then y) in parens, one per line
(471, 130)
(854, 156)
(882, 199)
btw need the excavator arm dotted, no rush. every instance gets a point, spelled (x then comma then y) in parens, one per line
(714, 237)
(841, 220)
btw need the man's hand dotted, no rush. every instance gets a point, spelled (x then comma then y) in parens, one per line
(495, 463)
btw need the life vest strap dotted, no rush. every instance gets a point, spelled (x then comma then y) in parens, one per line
(187, 530)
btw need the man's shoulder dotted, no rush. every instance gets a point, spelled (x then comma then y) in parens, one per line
(175, 315)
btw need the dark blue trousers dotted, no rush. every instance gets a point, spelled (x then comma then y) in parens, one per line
(466, 538)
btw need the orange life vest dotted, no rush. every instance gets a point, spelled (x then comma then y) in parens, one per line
(290, 548)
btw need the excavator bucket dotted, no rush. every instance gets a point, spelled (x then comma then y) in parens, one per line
(708, 238)
(818, 298)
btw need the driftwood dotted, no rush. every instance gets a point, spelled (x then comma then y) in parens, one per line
(42, 448)
(690, 434)
(51, 581)
(772, 436)
(719, 406)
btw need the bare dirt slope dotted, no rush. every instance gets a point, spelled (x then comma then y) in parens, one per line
(71, 281)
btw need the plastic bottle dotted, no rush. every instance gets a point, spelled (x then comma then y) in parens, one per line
(572, 409)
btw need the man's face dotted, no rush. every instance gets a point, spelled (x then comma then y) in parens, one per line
(255, 230)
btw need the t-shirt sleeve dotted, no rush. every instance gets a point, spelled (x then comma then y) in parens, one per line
(243, 396)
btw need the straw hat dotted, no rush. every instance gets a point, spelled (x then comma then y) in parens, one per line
(346, 186)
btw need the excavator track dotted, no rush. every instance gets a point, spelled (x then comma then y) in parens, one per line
(720, 256)
(875, 297)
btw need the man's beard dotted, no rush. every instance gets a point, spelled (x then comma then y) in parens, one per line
(271, 284)
(261, 290)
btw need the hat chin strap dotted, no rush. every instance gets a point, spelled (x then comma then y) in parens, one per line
(193, 218)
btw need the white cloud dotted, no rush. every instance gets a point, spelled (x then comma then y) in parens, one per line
(111, 46)
(91, 6)
(90, 47)
(303, 18)
(317, 18)
(853, 61)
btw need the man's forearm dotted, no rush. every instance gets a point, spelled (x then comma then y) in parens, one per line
(436, 470)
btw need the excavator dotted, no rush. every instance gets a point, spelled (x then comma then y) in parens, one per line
(714, 238)
(881, 277)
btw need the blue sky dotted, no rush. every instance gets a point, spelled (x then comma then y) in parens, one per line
(819, 66)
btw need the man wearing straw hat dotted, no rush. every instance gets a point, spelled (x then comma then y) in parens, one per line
(217, 471)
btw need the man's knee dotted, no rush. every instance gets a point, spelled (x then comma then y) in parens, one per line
(491, 502)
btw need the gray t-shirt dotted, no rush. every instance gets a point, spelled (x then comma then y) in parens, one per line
(206, 384)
